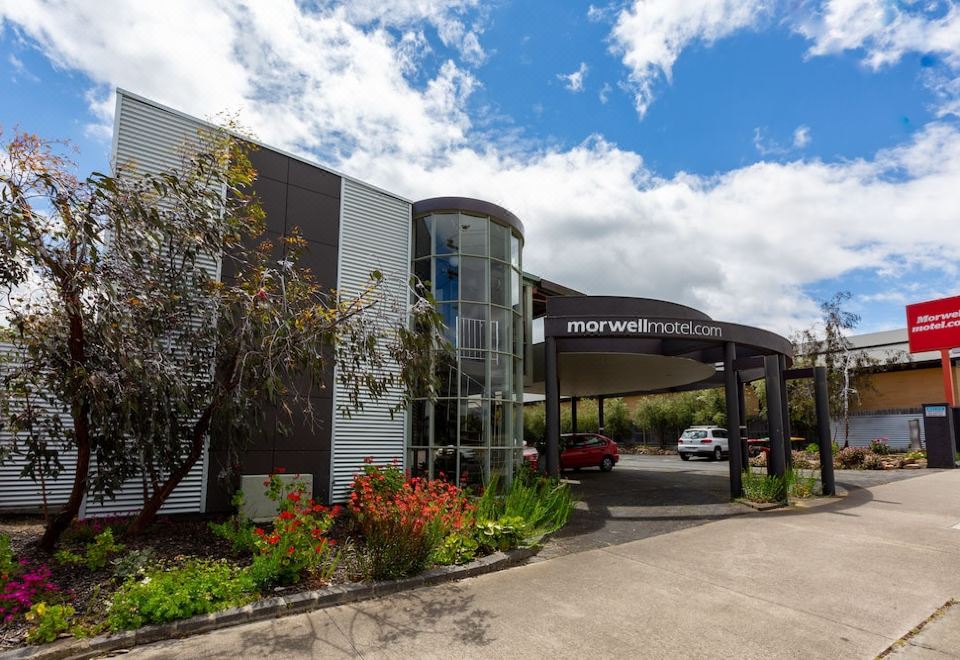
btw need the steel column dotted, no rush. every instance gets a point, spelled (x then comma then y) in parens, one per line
(776, 463)
(733, 419)
(784, 409)
(573, 414)
(600, 414)
(822, 403)
(552, 404)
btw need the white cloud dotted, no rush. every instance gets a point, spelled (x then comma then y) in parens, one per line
(604, 94)
(650, 35)
(801, 137)
(884, 30)
(741, 245)
(574, 81)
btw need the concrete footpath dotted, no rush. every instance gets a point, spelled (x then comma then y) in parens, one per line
(845, 580)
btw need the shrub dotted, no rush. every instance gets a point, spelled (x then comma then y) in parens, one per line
(759, 487)
(916, 455)
(544, 504)
(197, 587)
(297, 543)
(802, 461)
(812, 448)
(457, 548)
(85, 531)
(48, 622)
(25, 587)
(237, 530)
(502, 534)
(850, 458)
(96, 554)
(872, 462)
(132, 564)
(879, 446)
(760, 460)
(402, 526)
(801, 485)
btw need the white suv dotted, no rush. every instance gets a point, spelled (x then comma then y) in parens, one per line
(709, 441)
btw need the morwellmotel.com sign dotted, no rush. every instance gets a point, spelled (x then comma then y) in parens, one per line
(934, 325)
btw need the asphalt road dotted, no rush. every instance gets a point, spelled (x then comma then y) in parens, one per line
(646, 496)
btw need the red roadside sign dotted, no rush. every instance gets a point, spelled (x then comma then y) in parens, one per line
(934, 325)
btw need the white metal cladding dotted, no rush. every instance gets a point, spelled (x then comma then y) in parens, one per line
(23, 494)
(864, 428)
(374, 235)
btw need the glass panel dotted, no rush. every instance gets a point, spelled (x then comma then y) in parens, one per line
(499, 241)
(419, 424)
(473, 330)
(449, 313)
(473, 375)
(445, 463)
(515, 251)
(473, 422)
(500, 329)
(501, 370)
(518, 380)
(518, 426)
(517, 334)
(498, 465)
(500, 423)
(516, 293)
(444, 422)
(473, 235)
(421, 268)
(499, 287)
(447, 285)
(418, 462)
(473, 465)
(422, 236)
(473, 284)
(446, 233)
(445, 367)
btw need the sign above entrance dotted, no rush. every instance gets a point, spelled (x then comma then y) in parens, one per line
(635, 327)
(934, 325)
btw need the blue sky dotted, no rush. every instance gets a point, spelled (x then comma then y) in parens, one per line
(747, 157)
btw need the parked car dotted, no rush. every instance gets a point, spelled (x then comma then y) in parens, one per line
(708, 441)
(588, 450)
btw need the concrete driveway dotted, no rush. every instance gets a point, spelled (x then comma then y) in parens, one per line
(838, 581)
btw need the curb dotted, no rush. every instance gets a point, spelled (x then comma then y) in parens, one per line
(270, 608)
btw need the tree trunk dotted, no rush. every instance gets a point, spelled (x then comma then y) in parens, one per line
(160, 495)
(59, 523)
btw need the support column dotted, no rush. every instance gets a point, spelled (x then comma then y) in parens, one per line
(573, 414)
(742, 407)
(776, 464)
(784, 408)
(600, 414)
(552, 406)
(822, 404)
(733, 419)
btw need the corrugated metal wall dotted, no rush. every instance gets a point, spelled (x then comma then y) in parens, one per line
(864, 428)
(374, 235)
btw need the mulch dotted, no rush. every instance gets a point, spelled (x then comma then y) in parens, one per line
(172, 541)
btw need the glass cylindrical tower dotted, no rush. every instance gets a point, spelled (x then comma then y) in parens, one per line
(470, 252)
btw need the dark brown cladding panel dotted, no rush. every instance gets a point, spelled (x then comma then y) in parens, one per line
(293, 194)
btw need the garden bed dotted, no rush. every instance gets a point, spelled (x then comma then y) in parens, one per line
(100, 581)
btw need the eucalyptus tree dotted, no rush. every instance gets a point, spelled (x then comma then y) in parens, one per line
(125, 329)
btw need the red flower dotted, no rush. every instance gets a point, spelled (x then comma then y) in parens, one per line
(291, 550)
(294, 497)
(286, 515)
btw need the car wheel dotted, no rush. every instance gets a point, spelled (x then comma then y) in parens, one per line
(606, 464)
(684, 457)
(717, 454)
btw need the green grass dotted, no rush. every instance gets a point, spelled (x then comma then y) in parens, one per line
(544, 504)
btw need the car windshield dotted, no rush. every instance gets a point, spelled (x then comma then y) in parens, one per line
(691, 434)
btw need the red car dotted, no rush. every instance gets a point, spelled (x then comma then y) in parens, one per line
(588, 450)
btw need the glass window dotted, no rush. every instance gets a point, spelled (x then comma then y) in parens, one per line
(474, 463)
(473, 424)
(473, 235)
(446, 233)
(499, 286)
(501, 370)
(518, 381)
(444, 423)
(516, 291)
(445, 367)
(719, 433)
(418, 462)
(419, 424)
(517, 335)
(500, 330)
(473, 330)
(449, 313)
(421, 268)
(474, 279)
(447, 284)
(422, 237)
(500, 423)
(473, 375)
(515, 251)
(499, 238)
